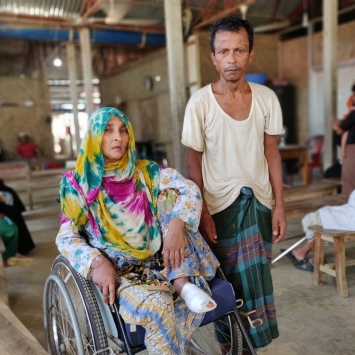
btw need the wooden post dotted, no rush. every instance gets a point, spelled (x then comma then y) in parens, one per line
(318, 258)
(175, 50)
(310, 72)
(340, 265)
(87, 67)
(29, 186)
(330, 52)
(71, 58)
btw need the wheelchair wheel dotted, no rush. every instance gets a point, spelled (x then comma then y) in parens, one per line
(61, 324)
(218, 338)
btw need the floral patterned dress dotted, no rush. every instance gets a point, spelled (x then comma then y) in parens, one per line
(169, 324)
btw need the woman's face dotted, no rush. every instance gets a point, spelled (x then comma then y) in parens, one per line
(115, 140)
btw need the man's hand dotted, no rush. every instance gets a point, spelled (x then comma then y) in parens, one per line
(174, 243)
(279, 224)
(208, 227)
(104, 276)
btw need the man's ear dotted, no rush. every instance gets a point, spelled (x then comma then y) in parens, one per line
(213, 58)
(251, 56)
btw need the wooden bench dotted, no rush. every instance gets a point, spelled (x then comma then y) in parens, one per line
(21, 178)
(296, 208)
(3, 290)
(311, 191)
(339, 239)
(15, 338)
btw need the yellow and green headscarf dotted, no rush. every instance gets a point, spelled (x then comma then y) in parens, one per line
(117, 200)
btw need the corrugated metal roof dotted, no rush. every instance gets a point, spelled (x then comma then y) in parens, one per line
(71, 9)
(54, 8)
(259, 13)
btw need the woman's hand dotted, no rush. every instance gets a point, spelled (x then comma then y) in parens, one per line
(104, 276)
(174, 243)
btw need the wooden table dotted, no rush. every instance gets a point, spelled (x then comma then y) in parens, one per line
(15, 338)
(297, 152)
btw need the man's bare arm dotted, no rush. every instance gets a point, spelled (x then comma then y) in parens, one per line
(207, 226)
(273, 159)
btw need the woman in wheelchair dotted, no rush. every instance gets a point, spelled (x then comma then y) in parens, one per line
(125, 206)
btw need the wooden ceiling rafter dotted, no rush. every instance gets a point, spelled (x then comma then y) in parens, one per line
(228, 4)
(312, 9)
(135, 28)
(222, 14)
(345, 3)
(296, 13)
(92, 8)
(206, 11)
(319, 7)
(276, 10)
(83, 7)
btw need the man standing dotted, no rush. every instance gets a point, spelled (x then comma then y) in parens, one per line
(231, 128)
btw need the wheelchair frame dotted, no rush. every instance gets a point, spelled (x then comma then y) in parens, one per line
(100, 321)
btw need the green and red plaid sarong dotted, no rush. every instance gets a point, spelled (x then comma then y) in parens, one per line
(244, 249)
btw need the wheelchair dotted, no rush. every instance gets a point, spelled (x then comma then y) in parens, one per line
(77, 321)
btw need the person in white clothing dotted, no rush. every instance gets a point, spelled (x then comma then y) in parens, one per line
(329, 217)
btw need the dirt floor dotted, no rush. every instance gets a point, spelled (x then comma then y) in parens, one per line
(312, 319)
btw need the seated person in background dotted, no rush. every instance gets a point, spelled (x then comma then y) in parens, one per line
(12, 206)
(348, 164)
(9, 235)
(26, 149)
(10, 197)
(351, 107)
(329, 217)
(125, 206)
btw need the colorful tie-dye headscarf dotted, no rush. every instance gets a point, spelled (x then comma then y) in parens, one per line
(117, 199)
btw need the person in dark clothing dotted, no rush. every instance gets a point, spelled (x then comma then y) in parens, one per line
(12, 206)
(348, 168)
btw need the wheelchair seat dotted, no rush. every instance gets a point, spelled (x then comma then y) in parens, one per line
(222, 294)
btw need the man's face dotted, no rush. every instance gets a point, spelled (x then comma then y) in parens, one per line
(232, 56)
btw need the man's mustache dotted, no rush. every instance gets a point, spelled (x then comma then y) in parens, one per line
(232, 67)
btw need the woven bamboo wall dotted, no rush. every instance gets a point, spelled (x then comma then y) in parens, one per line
(346, 44)
(148, 110)
(24, 107)
(293, 64)
(293, 67)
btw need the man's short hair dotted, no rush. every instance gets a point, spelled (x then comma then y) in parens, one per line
(231, 23)
(353, 88)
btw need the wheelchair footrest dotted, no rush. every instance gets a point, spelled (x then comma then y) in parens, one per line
(223, 295)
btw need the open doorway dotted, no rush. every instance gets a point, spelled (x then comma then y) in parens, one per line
(63, 131)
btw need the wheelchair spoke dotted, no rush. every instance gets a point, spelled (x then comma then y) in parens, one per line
(218, 338)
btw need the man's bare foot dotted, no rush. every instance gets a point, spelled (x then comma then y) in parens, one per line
(298, 255)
